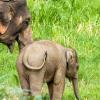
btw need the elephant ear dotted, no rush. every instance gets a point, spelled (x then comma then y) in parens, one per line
(69, 57)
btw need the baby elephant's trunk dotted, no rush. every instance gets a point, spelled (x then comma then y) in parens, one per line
(75, 87)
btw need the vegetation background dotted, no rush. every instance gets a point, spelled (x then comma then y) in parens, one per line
(72, 23)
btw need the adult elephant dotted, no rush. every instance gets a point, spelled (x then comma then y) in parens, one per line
(14, 23)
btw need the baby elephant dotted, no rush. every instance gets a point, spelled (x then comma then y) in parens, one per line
(47, 62)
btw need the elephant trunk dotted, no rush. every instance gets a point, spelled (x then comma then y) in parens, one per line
(75, 87)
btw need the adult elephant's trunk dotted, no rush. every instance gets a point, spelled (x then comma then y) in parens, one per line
(75, 87)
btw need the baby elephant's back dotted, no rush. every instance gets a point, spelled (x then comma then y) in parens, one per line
(43, 52)
(34, 56)
(54, 51)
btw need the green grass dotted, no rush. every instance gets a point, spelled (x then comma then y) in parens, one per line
(72, 23)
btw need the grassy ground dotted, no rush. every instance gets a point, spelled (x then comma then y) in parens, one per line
(72, 23)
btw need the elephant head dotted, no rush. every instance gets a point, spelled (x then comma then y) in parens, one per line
(14, 19)
(72, 69)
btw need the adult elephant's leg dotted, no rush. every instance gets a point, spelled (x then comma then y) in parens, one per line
(59, 84)
(24, 38)
(50, 88)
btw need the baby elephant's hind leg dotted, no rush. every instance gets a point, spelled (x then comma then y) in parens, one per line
(23, 78)
(26, 89)
(25, 85)
(36, 82)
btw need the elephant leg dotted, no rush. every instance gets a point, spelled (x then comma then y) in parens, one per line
(58, 90)
(50, 88)
(23, 78)
(59, 83)
(25, 85)
(26, 89)
(36, 82)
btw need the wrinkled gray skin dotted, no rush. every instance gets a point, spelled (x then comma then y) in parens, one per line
(47, 62)
(14, 23)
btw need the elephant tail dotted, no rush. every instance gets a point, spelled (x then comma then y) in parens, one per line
(34, 67)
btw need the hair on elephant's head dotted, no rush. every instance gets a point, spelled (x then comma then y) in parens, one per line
(72, 67)
(14, 19)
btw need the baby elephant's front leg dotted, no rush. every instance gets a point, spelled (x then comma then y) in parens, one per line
(58, 85)
(58, 90)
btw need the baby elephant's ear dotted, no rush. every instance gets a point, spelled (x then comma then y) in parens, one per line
(69, 55)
